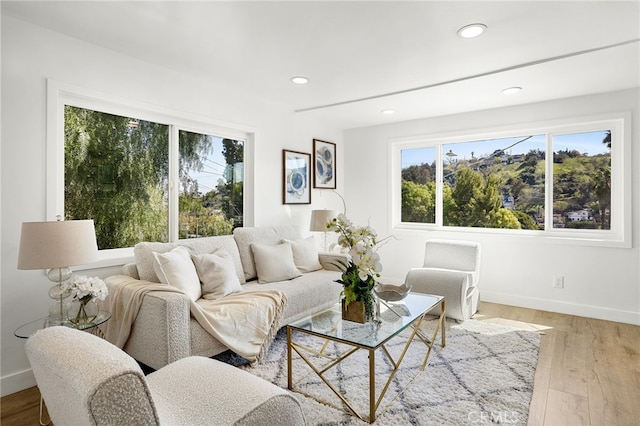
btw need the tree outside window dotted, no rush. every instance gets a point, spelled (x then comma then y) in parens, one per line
(117, 173)
(500, 183)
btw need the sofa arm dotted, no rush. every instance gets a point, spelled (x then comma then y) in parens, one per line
(453, 285)
(131, 270)
(161, 334)
(331, 261)
(189, 392)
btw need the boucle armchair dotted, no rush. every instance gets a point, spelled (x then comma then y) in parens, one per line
(451, 269)
(85, 380)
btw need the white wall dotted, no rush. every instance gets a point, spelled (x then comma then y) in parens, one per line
(30, 56)
(599, 282)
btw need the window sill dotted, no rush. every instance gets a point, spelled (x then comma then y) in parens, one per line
(581, 238)
(108, 258)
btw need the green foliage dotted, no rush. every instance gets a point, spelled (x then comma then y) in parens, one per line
(196, 220)
(466, 195)
(476, 202)
(231, 192)
(115, 174)
(473, 190)
(502, 218)
(526, 221)
(418, 202)
(580, 181)
(422, 174)
(583, 224)
(117, 171)
(356, 289)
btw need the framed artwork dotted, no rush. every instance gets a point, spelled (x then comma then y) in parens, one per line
(296, 177)
(324, 160)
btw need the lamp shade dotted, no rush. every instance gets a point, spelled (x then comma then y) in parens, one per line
(319, 219)
(57, 244)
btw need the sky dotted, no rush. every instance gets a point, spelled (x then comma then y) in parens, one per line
(590, 143)
(213, 169)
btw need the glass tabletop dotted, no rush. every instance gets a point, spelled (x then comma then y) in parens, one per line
(394, 317)
(26, 330)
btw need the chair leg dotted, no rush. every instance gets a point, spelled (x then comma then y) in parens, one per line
(41, 411)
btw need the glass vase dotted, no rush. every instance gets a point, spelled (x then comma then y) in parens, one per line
(82, 313)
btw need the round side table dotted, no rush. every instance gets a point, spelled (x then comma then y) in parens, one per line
(26, 330)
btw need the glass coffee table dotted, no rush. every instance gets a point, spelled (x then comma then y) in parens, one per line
(391, 321)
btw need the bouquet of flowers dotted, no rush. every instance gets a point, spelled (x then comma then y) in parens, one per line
(361, 271)
(85, 289)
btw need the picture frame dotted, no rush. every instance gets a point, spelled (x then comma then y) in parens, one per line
(324, 160)
(296, 173)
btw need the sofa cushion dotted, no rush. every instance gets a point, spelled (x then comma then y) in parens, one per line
(306, 294)
(176, 269)
(270, 235)
(217, 274)
(143, 253)
(305, 254)
(274, 262)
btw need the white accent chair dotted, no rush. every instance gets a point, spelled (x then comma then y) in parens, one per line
(86, 380)
(451, 269)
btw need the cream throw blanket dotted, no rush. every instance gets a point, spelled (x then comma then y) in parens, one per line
(245, 322)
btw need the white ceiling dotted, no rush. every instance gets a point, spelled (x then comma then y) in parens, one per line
(362, 57)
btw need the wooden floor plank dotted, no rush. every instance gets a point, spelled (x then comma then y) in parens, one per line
(566, 409)
(21, 408)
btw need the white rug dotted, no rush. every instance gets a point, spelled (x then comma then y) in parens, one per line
(484, 375)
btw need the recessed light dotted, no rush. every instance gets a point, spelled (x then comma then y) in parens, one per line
(511, 90)
(472, 30)
(388, 111)
(299, 80)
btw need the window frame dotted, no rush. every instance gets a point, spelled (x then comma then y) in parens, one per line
(61, 94)
(619, 123)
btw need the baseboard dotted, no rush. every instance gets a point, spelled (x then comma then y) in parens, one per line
(17, 382)
(627, 317)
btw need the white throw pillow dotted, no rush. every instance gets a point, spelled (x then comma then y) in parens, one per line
(176, 269)
(274, 263)
(305, 254)
(217, 274)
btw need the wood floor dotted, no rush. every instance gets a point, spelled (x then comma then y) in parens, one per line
(588, 371)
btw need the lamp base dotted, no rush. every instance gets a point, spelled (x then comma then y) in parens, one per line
(58, 314)
(59, 310)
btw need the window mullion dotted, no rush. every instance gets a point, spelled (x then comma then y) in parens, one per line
(174, 187)
(548, 184)
(439, 186)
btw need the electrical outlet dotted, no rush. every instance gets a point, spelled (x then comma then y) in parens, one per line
(558, 281)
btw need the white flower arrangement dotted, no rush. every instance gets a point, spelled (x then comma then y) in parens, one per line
(360, 273)
(361, 243)
(84, 289)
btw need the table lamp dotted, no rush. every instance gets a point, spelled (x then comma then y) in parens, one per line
(319, 220)
(55, 246)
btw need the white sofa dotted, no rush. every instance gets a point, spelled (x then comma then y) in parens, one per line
(164, 331)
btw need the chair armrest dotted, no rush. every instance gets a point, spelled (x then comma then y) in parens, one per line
(189, 392)
(331, 261)
(453, 285)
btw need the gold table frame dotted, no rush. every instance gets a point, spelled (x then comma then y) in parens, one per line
(374, 402)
